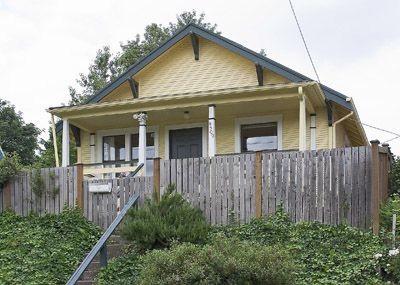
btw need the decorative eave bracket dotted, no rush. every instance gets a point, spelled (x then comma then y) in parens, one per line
(260, 74)
(134, 87)
(195, 45)
(77, 135)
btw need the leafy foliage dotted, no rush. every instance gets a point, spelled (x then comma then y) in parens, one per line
(323, 255)
(395, 176)
(392, 206)
(9, 167)
(156, 225)
(122, 271)
(326, 254)
(223, 261)
(46, 153)
(107, 66)
(43, 250)
(15, 135)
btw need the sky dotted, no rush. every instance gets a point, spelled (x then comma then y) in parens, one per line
(45, 44)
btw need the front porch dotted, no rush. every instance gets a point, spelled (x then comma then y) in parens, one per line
(124, 133)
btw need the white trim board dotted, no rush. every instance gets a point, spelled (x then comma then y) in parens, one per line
(204, 143)
(257, 120)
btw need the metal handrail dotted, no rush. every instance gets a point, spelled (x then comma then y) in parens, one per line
(101, 243)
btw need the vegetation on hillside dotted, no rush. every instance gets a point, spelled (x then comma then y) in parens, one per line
(322, 254)
(158, 224)
(43, 250)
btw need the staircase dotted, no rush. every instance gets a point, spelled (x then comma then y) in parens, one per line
(115, 246)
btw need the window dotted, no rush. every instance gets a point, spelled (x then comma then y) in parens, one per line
(150, 150)
(254, 137)
(114, 148)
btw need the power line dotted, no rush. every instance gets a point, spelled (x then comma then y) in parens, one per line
(383, 130)
(304, 41)
(397, 136)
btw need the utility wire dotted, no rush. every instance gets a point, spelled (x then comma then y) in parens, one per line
(304, 41)
(397, 136)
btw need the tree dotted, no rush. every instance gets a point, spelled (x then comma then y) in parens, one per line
(16, 136)
(107, 66)
(46, 153)
(395, 176)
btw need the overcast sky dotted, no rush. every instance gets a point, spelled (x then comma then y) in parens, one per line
(45, 44)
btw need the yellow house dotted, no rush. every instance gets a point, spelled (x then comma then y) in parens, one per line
(200, 94)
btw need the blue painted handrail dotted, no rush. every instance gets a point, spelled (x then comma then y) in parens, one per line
(101, 246)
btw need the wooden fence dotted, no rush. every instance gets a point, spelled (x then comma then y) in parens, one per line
(330, 186)
(57, 188)
(102, 208)
(343, 185)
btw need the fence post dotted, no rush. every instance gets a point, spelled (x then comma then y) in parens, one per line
(156, 178)
(375, 183)
(79, 184)
(385, 172)
(258, 170)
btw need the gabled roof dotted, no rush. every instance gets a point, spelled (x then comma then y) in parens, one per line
(253, 56)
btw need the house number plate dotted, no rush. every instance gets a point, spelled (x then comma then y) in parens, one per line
(100, 187)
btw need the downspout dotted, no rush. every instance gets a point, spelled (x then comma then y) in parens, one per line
(336, 123)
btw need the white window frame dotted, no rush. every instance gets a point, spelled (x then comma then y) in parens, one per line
(204, 132)
(127, 132)
(257, 120)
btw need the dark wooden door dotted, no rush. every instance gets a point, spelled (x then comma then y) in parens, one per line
(185, 143)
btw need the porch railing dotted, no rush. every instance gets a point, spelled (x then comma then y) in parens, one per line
(101, 245)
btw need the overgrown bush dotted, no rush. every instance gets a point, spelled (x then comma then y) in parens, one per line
(392, 206)
(9, 166)
(395, 176)
(325, 254)
(223, 261)
(122, 271)
(43, 250)
(157, 224)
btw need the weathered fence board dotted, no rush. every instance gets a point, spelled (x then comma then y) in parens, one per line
(329, 186)
(102, 208)
(55, 190)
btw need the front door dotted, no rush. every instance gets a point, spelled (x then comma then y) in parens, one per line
(185, 143)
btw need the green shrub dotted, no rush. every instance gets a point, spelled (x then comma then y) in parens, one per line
(122, 271)
(156, 225)
(392, 206)
(9, 166)
(395, 176)
(223, 261)
(325, 254)
(43, 250)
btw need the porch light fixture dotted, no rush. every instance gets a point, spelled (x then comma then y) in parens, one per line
(186, 115)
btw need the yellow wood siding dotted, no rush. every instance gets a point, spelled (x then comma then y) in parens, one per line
(176, 71)
(85, 146)
(322, 128)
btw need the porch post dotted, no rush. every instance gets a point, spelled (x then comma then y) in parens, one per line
(212, 143)
(92, 148)
(142, 118)
(302, 123)
(65, 143)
